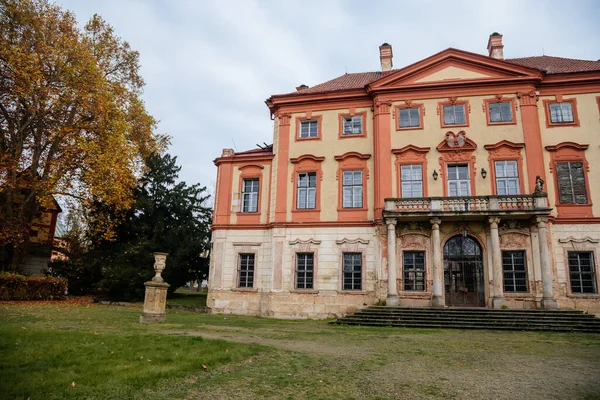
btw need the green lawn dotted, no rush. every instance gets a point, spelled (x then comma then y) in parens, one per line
(183, 297)
(109, 355)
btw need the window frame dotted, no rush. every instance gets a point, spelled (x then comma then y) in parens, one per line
(411, 155)
(409, 105)
(497, 178)
(239, 271)
(353, 185)
(514, 272)
(467, 179)
(361, 271)
(352, 113)
(305, 271)
(559, 100)
(298, 187)
(496, 100)
(594, 273)
(309, 117)
(466, 107)
(414, 271)
(243, 193)
(584, 176)
(569, 151)
(401, 188)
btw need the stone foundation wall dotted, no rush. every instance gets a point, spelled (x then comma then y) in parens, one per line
(571, 237)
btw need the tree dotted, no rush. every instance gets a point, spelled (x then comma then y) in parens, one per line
(72, 121)
(167, 216)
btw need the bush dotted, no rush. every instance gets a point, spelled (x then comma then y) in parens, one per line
(81, 274)
(19, 287)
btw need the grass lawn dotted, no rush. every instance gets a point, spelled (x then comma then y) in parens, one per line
(183, 297)
(109, 355)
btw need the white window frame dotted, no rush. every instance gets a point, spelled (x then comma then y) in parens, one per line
(352, 271)
(459, 190)
(352, 125)
(306, 193)
(250, 198)
(248, 283)
(352, 189)
(561, 113)
(502, 116)
(410, 117)
(302, 258)
(408, 185)
(454, 106)
(506, 185)
(312, 131)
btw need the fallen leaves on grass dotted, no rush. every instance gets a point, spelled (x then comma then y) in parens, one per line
(74, 301)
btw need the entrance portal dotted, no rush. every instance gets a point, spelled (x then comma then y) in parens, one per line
(463, 272)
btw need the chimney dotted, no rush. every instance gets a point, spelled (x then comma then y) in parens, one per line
(301, 87)
(495, 46)
(385, 55)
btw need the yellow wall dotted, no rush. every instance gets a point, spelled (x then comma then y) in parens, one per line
(451, 73)
(587, 133)
(478, 131)
(330, 146)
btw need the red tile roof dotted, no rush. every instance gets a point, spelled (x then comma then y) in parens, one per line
(557, 65)
(267, 150)
(549, 65)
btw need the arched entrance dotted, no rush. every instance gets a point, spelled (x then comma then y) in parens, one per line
(463, 272)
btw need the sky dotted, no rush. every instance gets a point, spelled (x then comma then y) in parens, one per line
(210, 65)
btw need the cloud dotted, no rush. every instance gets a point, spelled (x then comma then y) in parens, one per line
(209, 65)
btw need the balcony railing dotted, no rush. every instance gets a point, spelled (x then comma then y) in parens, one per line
(467, 204)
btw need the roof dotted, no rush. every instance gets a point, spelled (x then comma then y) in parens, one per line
(557, 65)
(547, 64)
(267, 151)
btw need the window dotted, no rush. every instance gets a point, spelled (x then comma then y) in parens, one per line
(514, 270)
(561, 113)
(305, 267)
(507, 177)
(307, 190)
(571, 182)
(246, 271)
(250, 195)
(455, 114)
(352, 271)
(352, 125)
(409, 118)
(352, 189)
(458, 180)
(414, 270)
(309, 129)
(581, 272)
(412, 180)
(500, 112)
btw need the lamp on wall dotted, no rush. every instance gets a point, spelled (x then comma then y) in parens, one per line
(483, 173)
(435, 175)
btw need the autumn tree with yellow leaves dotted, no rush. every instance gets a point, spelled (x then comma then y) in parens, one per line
(72, 121)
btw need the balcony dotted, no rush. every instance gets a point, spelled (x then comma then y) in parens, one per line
(474, 207)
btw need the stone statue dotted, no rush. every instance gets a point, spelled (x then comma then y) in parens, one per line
(156, 293)
(539, 185)
(160, 261)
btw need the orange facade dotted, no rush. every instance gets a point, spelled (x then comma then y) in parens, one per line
(366, 148)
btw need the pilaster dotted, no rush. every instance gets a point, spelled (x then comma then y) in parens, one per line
(532, 136)
(382, 145)
(438, 273)
(392, 297)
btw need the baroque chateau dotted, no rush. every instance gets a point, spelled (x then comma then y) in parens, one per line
(462, 180)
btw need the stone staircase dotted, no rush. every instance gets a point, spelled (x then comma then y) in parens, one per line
(474, 318)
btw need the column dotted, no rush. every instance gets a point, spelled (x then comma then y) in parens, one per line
(532, 136)
(438, 272)
(548, 302)
(382, 158)
(392, 297)
(498, 300)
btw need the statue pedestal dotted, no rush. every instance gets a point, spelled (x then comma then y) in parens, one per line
(155, 303)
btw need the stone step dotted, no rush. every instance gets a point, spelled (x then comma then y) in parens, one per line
(482, 326)
(473, 310)
(452, 318)
(376, 314)
(472, 322)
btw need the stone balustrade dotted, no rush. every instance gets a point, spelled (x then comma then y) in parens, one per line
(431, 206)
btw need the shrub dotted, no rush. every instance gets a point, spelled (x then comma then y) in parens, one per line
(19, 287)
